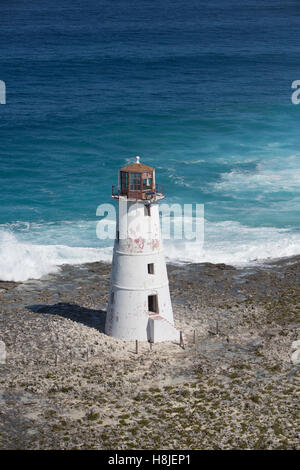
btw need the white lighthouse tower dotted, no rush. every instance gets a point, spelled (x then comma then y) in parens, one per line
(139, 305)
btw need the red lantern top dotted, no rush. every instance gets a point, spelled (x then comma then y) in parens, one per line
(138, 182)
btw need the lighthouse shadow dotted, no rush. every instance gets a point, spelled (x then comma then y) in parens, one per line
(86, 316)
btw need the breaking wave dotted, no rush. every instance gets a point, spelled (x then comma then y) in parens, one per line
(225, 242)
(21, 261)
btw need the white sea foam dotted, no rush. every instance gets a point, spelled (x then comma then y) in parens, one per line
(22, 261)
(225, 242)
(178, 180)
(277, 174)
(232, 243)
(265, 181)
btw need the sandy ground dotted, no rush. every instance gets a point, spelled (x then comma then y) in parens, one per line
(66, 385)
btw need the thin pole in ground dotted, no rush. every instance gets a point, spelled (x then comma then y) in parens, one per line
(181, 340)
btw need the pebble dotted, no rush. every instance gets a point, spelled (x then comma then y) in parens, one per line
(2, 352)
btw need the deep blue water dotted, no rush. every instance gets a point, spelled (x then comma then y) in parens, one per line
(200, 90)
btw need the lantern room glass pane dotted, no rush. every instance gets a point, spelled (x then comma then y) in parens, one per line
(135, 181)
(147, 183)
(124, 180)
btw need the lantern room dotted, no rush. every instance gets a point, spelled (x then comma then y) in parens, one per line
(137, 181)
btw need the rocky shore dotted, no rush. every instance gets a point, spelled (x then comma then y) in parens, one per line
(235, 385)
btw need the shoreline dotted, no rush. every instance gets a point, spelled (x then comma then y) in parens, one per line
(67, 385)
(259, 264)
(26, 261)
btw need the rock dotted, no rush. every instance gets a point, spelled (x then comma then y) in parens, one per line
(256, 343)
(270, 333)
(2, 353)
(296, 345)
(295, 357)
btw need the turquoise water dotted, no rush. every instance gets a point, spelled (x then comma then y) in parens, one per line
(200, 90)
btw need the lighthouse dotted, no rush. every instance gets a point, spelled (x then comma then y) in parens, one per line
(139, 306)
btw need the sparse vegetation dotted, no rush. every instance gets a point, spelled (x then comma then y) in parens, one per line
(234, 390)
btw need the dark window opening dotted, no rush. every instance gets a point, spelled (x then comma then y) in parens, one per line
(112, 296)
(153, 303)
(118, 235)
(151, 268)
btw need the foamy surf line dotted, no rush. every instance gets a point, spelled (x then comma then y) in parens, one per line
(232, 243)
(225, 242)
(22, 261)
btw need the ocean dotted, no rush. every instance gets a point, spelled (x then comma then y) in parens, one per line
(200, 90)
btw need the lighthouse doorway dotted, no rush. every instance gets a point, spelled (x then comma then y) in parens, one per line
(153, 303)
